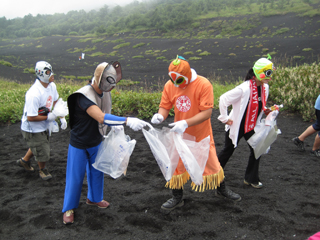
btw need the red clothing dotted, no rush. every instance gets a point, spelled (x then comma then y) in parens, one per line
(188, 102)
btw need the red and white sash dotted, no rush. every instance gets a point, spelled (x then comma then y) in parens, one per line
(253, 106)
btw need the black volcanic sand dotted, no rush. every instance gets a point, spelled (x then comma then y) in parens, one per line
(287, 207)
(229, 59)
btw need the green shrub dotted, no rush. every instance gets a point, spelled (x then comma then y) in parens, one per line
(29, 70)
(161, 58)
(122, 45)
(89, 49)
(205, 53)
(84, 77)
(84, 40)
(296, 88)
(194, 58)
(281, 31)
(127, 83)
(96, 54)
(5, 63)
(97, 40)
(138, 56)
(12, 101)
(68, 77)
(138, 45)
(140, 104)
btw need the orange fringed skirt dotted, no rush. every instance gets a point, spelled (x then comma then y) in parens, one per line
(213, 174)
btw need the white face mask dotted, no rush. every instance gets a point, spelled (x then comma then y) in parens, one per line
(108, 79)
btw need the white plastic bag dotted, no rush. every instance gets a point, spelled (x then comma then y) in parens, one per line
(61, 108)
(114, 154)
(163, 149)
(261, 140)
(194, 155)
(53, 127)
(168, 146)
(271, 117)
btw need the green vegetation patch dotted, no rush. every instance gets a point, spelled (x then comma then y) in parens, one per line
(204, 53)
(138, 45)
(5, 63)
(97, 40)
(113, 53)
(281, 31)
(89, 49)
(122, 45)
(75, 50)
(96, 54)
(138, 56)
(194, 58)
(296, 88)
(29, 70)
(85, 40)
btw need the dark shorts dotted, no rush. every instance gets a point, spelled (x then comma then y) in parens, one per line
(39, 145)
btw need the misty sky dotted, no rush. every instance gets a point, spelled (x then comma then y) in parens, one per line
(19, 8)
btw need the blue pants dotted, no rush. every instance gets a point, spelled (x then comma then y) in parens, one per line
(79, 161)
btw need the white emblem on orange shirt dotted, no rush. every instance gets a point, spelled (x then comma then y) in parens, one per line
(183, 104)
(49, 102)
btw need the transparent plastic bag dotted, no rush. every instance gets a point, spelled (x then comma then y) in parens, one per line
(261, 140)
(266, 133)
(194, 155)
(114, 154)
(163, 149)
(53, 127)
(167, 147)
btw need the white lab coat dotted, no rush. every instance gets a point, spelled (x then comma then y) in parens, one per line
(238, 98)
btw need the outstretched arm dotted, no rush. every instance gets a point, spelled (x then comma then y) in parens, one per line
(111, 120)
(95, 112)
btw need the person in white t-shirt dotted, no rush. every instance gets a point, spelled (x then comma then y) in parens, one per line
(37, 115)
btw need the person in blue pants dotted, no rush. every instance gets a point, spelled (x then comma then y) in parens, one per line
(89, 116)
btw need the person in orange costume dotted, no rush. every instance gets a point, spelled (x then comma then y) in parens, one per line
(192, 98)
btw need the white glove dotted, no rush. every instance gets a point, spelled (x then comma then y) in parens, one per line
(179, 127)
(157, 118)
(63, 123)
(135, 123)
(117, 129)
(51, 117)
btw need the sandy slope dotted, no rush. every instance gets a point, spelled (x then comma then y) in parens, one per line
(229, 58)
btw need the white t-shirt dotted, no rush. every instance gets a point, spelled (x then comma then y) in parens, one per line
(36, 97)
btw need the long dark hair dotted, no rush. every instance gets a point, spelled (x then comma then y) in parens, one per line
(250, 74)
